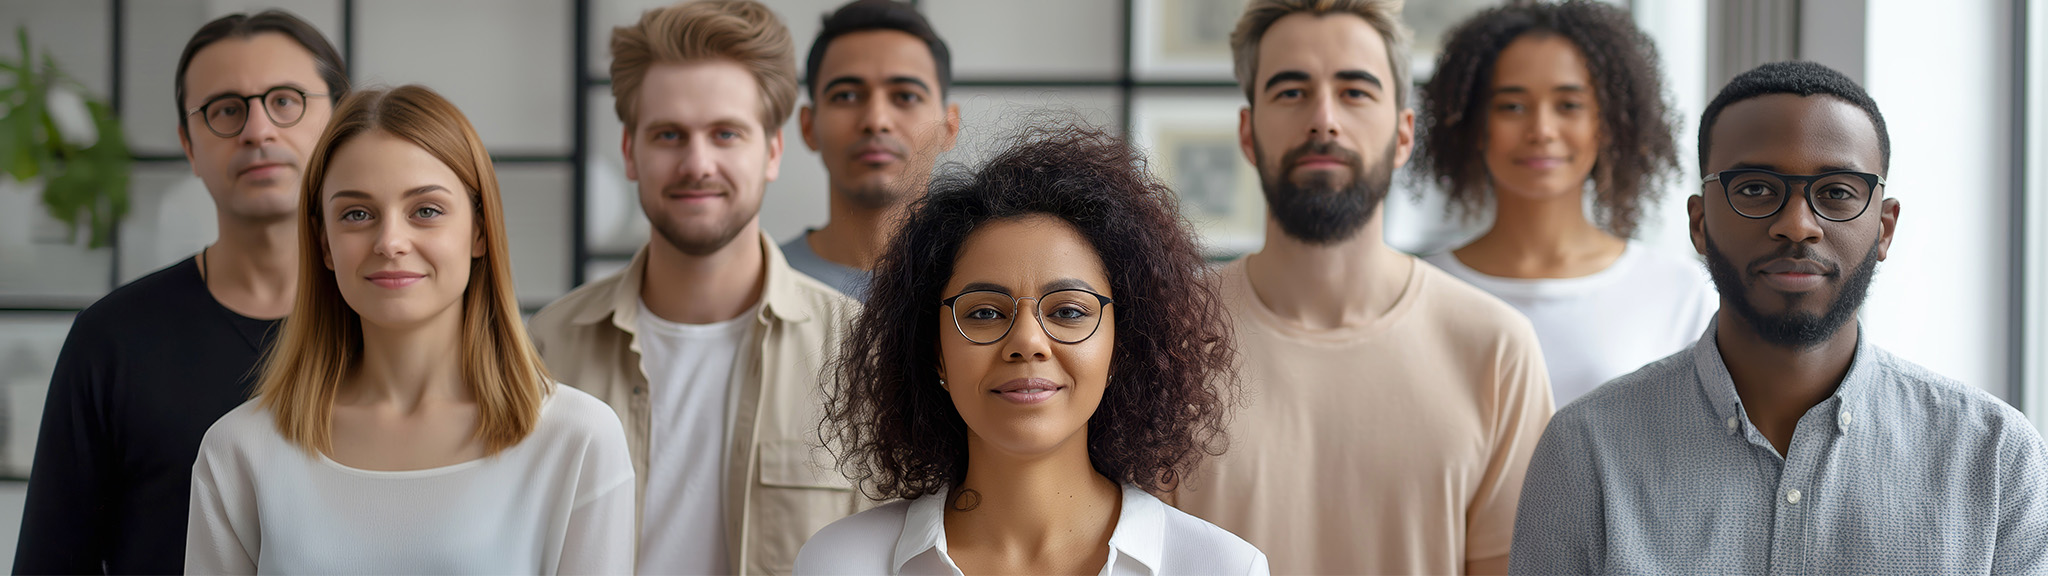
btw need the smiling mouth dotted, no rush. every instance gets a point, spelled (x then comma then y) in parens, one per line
(1028, 390)
(394, 280)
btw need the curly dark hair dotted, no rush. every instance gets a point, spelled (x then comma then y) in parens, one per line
(896, 432)
(1793, 77)
(1637, 147)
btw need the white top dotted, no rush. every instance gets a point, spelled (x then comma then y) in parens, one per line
(909, 537)
(559, 501)
(689, 371)
(1645, 306)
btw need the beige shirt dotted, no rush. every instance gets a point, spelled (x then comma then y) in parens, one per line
(779, 490)
(1391, 448)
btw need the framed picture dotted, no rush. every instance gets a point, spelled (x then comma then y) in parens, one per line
(29, 342)
(1183, 40)
(1191, 142)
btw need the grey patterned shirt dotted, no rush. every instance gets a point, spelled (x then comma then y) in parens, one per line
(1901, 471)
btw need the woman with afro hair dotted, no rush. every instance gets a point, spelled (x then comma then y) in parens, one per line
(1533, 107)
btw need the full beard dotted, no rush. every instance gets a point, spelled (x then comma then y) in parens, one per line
(1792, 329)
(1315, 208)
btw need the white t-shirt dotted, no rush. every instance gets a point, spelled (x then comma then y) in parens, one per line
(559, 501)
(1595, 328)
(689, 373)
(908, 537)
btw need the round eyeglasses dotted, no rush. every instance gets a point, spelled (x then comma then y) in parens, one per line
(1837, 196)
(1068, 316)
(225, 115)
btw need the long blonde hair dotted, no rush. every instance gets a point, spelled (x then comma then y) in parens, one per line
(323, 338)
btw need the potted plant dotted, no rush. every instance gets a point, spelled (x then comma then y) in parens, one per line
(53, 131)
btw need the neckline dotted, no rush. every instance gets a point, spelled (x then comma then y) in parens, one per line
(1630, 259)
(1411, 290)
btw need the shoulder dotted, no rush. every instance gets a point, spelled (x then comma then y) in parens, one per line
(821, 302)
(241, 431)
(864, 543)
(1966, 410)
(1195, 546)
(560, 315)
(576, 415)
(1625, 396)
(153, 295)
(1466, 311)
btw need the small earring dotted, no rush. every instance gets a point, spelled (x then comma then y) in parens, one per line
(942, 382)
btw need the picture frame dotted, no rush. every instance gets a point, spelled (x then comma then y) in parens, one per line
(1191, 142)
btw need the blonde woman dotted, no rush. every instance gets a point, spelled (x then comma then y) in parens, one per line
(404, 422)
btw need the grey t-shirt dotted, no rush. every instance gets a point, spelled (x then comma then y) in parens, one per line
(853, 282)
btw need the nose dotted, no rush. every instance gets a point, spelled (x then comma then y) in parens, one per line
(1027, 341)
(697, 163)
(875, 117)
(1322, 121)
(394, 239)
(1796, 222)
(1543, 126)
(258, 130)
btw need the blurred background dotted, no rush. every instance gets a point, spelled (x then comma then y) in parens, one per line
(1963, 85)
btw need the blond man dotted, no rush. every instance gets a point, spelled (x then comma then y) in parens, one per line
(1392, 407)
(708, 345)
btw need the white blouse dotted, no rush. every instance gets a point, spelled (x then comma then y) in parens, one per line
(909, 537)
(559, 501)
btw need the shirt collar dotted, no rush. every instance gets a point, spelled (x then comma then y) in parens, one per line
(1140, 532)
(783, 299)
(1852, 393)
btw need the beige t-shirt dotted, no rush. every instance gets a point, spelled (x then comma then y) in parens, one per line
(1391, 448)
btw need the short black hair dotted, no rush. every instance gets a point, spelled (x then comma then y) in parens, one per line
(1621, 61)
(865, 15)
(1793, 77)
(325, 58)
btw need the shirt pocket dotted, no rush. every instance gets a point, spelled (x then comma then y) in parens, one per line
(799, 494)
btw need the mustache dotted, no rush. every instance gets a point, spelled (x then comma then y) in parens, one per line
(1348, 156)
(700, 184)
(888, 143)
(1795, 251)
(265, 154)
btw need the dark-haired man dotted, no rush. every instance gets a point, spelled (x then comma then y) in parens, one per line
(1784, 441)
(877, 77)
(148, 368)
(1391, 407)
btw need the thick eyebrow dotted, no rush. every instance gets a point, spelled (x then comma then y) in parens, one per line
(911, 80)
(217, 95)
(1067, 284)
(1361, 76)
(1521, 90)
(360, 195)
(979, 286)
(1285, 76)
(855, 80)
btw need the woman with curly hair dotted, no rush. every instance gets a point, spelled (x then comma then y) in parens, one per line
(1041, 351)
(1532, 105)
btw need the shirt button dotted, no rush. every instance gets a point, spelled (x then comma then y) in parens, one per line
(1792, 497)
(1846, 419)
(1731, 422)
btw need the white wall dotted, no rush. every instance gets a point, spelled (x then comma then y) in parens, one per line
(1941, 77)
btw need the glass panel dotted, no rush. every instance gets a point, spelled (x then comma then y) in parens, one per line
(505, 63)
(170, 218)
(76, 33)
(29, 343)
(156, 32)
(988, 116)
(537, 214)
(1006, 39)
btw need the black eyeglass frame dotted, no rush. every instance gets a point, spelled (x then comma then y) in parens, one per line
(1016, 302)
(1805, 181)
(304, 99)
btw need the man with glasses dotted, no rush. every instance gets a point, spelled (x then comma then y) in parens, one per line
(148, 368)
(1784, 441)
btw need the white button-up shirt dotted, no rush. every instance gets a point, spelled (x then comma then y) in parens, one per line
(909, 537)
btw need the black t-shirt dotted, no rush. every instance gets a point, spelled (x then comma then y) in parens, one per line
(143, 374)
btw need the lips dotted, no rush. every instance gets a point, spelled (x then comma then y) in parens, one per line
(1028, 390)
(394, 279)
(876, 155)
(1791, 275)
(1541, 162)
(260, 169)
(1319, 161)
